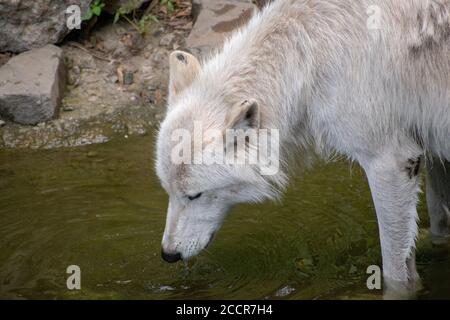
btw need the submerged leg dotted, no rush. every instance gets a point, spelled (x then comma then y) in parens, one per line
(394, 183)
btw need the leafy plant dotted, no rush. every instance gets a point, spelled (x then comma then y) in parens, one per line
(145, 21)
(95, 9)
(128, 13)
(169, 4)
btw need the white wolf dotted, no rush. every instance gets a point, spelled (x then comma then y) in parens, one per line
(327, 74)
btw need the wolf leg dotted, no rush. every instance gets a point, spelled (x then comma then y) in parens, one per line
(394, 183)
(438, 199)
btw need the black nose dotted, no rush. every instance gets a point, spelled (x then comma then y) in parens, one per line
(170, 257)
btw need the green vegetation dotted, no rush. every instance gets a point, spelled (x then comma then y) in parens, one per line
(169, 4)
(95, 9)
(130, 12)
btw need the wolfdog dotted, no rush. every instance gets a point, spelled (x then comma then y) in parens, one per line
(367, 79)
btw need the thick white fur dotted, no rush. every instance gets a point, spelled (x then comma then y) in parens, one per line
(319, 75)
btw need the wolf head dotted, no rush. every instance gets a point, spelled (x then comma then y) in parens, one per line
(193, 158)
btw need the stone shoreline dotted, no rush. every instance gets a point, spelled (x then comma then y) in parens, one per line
(97, 105)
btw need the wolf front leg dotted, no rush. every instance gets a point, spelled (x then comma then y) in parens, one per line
(438, 199)
(394, 183)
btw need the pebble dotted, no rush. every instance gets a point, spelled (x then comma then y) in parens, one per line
(125, 76)
(167, 39)
(128, 77)
(285, 291)
(151, 100)
(68, 108)
(166, 288)
(76, 70)
(114, 79)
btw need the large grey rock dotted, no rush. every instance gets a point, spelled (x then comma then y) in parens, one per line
(32, 85)
(214, 21)
(27, 24)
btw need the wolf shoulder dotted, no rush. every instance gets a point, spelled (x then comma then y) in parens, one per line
(422, 25)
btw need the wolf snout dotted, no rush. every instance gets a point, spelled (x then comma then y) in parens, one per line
(170, 257)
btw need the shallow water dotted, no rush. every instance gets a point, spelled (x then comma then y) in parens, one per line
(101, 208)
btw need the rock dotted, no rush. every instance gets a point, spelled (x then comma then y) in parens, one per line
(26, 24)
(167, 39)
(128, 78)
(68, 108)
(2, 123)
(114, 79)
(111, 6)
(125, 75)
(76, 70)
(196, 8)
(284, 291)
(215, 20)
(32, 85)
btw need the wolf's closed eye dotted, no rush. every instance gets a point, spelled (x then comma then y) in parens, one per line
(195, 197)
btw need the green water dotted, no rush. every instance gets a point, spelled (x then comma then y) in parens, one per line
(101, 208)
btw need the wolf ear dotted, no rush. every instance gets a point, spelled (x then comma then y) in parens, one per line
(243, 115)
(183, 69)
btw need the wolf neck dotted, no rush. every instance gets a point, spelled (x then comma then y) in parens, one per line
(275, 59)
